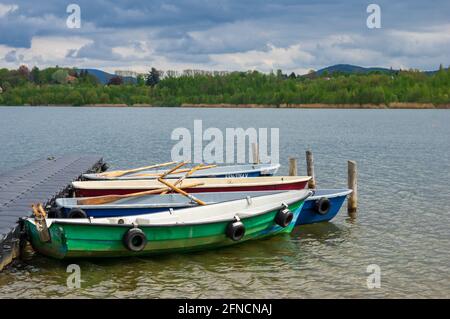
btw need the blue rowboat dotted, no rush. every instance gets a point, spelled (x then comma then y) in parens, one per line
(322, 205)
(68, 207)
(231, 171)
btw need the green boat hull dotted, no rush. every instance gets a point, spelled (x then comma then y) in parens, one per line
(70, 240)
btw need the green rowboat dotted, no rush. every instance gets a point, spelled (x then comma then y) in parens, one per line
(183, 230)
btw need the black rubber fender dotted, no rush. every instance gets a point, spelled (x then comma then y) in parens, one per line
(77, 213)
(235, 230)
(55, 212)
(284, 217)
(135, 239)
(322, 206)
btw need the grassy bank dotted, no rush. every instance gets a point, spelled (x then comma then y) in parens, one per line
(417, 106)
(397, 105)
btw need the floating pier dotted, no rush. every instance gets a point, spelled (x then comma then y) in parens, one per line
(41, 181)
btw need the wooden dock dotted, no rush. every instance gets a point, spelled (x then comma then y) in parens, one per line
(41, 181)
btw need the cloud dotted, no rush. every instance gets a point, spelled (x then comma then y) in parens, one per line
(12, 56)
(429, 42)
(290, 58)
(43, 51)
(95, 50)
(294, 35)
(6, 9)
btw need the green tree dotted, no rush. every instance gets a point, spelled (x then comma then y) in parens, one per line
(91, 97)
(60, 76)
(36, 75)
(153, 77)
(74, 98)
(140, 80)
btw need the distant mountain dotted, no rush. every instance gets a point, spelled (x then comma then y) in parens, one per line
(348, 68)
(104, 77)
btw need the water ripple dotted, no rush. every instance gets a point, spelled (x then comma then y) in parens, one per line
(402, 226)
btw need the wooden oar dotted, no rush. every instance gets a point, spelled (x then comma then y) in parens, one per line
(179, 190)
(172, 169)
(123, 172)
(41, 210)
(41, 224)
(112, 198)
(184, 170)
(36, 212)
(182, 178)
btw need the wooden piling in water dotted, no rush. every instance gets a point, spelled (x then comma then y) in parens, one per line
(352, 202)
(310, 169)
(292, 166)
(255, 153)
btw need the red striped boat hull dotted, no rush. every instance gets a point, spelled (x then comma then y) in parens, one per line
(297, 185)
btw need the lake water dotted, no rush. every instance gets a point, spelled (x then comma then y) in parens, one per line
(403, 224)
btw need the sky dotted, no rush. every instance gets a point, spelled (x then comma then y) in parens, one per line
(224, 35)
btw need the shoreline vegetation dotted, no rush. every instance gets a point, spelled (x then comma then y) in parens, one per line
(398, 105)
(390, 89)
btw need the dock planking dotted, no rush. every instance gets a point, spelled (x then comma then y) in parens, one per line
(41, 181)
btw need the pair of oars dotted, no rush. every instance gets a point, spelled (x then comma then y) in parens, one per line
(184, 170)
(189, 173)
(38, 211)
(120, 173)
(40, 222)
(112, 198)
(179, 190)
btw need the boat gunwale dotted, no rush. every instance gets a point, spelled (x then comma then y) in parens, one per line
(278, 180)
(198, 173)
(337, 193)
(60, 202)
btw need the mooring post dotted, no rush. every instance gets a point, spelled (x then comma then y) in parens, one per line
(352, 202)
(310, 169)
(255, 153)
(292, 166)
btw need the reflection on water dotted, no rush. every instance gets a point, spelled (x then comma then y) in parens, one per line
(402, 226)
(322, 232)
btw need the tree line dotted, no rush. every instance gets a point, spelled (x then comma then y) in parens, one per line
(65, 86)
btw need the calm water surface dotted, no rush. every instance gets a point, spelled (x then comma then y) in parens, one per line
(404, 204)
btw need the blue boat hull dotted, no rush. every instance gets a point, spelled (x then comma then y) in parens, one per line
(309, 214)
